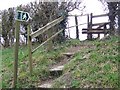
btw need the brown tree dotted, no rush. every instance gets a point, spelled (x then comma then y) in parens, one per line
(7, 26)
(113, 14)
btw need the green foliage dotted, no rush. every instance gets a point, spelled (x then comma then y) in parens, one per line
(75, 84)
(7, 25)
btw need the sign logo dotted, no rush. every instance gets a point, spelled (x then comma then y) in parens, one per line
(22, 16)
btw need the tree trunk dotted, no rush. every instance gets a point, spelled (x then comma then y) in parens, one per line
(119, 18)
(112, 6)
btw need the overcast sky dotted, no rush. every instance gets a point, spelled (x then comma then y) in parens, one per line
(93, 6)
(12, 3)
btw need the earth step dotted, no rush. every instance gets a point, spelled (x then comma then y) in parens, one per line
(68, 54)
(47, 85)
(56, 71)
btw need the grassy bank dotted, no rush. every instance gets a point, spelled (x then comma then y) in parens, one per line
(94, 66)
(41, 61)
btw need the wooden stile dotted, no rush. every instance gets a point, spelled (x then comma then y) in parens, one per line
(89, 31)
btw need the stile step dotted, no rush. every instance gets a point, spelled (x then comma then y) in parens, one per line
(58, 68)
(68, 54)
(47, 85)
(56, 71)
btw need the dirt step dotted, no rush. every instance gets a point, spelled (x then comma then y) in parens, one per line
(46, 85)
(56, 71)
(69, 54)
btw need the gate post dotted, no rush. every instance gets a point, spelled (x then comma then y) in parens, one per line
(88, 24)
(105, 31)
(90, 27)
(77, 30)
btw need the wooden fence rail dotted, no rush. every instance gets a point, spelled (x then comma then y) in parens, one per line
(78, 15)
(47, 40)
(96, 24)
(103, 15)
(46, 27)
(76, 25)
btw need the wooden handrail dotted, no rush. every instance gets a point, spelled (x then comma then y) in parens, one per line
(46, 27)
(79, 15)
(76, 25)
(47, 40)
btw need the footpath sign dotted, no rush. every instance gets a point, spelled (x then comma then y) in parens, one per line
(22, 16)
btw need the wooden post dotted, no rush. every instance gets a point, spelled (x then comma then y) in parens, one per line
(98, 35)
(49, 44)
(49, 33)
(77, 30)
(105, 27)
(29, 49)
(90, 27)
(17, 29)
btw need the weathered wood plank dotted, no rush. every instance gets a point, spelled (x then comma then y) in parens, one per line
(76, 25)
(79, 15)
(68, 54)
(56, 71)
(94, 31)
(102, 15)
(102, 25)
(47, 40)
(96, 24)
(57, 68)
(46, 27)
(46, 85)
